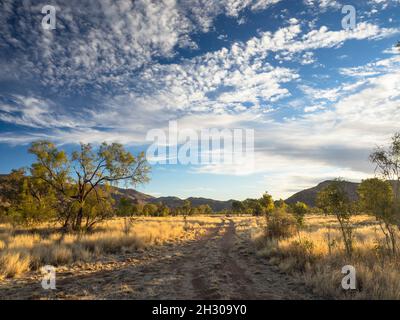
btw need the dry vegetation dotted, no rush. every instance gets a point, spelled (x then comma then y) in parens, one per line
(317, 255)
(23, 250)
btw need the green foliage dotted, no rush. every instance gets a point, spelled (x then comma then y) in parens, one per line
(253, 206)
(280, 204)
(256, 207)
(387, 206)
(201, 210)
(137, 209)
(150, 209)
(387, 162)
(27, 200)
(128, 208)
(81, 181)
(300, 209)
(97, 207)
(334, 200)
(186, 208)
(267, 203)
(280, 224)
(205, 209)
(376, 198)
(11, 187)
(124, 208)
(163, 210)
(238, 207)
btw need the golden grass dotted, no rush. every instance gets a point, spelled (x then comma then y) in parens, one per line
(317, 255)
(23, 250)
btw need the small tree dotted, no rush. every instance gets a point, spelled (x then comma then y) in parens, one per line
(81, 180)
(163, 210)
(186, 210)
(258, 209)
(387, 161)
(206, 209)
(334, 200)
(27, 201)
(280, 204)
(299, 209)
(137, 209)
(267, 203)
(376, 197)
(124, 207)
(238, 207)
(150, 209)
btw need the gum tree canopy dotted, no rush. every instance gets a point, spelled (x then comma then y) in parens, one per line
(82, 179)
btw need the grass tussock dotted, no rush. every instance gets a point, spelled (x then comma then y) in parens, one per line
(23, 250)
(317, 255)
(13, 264)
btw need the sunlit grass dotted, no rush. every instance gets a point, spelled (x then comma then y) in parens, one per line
(317, 255)
(23, 249)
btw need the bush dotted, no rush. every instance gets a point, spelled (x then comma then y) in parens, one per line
(299, 210)
(280, 224)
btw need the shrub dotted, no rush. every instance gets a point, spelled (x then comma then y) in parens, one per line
(299, 210)
(280, 224)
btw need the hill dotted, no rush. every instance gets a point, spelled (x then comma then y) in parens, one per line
(309, 196)
(172, 202)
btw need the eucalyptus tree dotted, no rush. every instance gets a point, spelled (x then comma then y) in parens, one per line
(83, 180)
(334, 200)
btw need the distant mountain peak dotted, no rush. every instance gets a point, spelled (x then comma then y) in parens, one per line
(309, 196)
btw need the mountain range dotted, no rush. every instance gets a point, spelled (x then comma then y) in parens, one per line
(308, 196)
(172, 202)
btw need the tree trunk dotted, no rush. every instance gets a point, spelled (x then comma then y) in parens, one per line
(67, 223)
(346, 237)
(392, 234)
(78, 223)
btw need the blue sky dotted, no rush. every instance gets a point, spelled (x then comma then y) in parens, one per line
(318, 97)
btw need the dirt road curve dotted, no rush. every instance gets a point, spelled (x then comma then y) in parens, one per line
(218, 265)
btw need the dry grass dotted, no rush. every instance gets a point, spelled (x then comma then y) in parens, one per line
(318, 255)
(13, 264)
(23, 249)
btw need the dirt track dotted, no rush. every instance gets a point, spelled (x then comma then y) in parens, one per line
(218, 265)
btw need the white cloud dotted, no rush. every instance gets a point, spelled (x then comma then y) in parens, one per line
(323, 4)
(374, 68)
(233, 81)
(103, 42)
(237, 86)
(35, 112)
(334, 141)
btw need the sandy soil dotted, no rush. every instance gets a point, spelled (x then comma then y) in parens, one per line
(221, 264)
